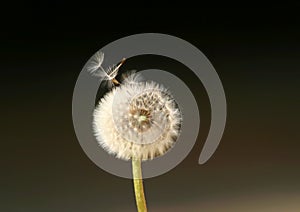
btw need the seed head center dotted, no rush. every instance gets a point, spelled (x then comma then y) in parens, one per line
(140, 119)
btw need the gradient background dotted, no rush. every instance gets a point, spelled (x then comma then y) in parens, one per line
(256, 53)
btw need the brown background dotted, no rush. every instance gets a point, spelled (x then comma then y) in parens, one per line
(256, 54)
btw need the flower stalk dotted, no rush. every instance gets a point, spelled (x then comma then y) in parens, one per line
(138, 185)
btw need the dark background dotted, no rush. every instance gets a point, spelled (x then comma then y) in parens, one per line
(256, 54)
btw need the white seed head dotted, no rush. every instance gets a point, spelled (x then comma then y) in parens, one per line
(137, 120)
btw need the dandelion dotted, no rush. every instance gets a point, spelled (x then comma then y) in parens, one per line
(137, 121)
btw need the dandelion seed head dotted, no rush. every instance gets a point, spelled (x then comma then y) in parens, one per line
(137, 120)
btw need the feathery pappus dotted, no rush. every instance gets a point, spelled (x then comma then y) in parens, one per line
(108, 76)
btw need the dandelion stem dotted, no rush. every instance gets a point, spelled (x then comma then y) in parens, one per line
(138, 185)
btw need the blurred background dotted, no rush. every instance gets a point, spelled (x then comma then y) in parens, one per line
(256, 54)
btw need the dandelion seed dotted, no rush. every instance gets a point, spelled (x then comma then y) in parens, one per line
(131, 77)
(108, 76)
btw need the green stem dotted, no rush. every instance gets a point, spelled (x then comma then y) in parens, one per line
(138, 185)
